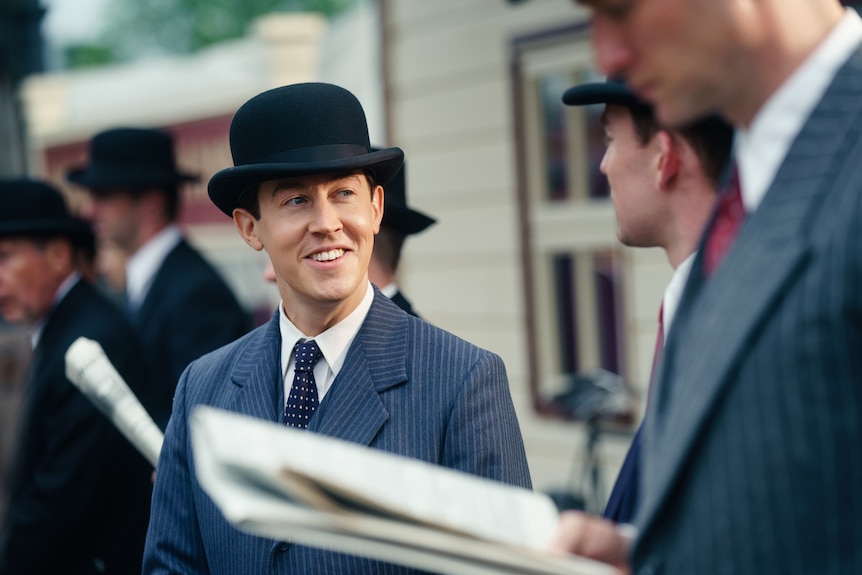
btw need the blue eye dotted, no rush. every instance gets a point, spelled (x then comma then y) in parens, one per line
(295, 201)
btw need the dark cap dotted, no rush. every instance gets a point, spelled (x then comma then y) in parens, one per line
(612, 91)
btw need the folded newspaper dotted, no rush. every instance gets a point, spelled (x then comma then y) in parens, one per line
(274, 481)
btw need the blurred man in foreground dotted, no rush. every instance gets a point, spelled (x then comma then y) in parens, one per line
(756, 408)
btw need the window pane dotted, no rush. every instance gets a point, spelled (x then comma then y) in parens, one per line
(551, 90)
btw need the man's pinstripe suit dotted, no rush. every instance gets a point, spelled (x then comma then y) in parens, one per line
(405, 387)
(751, 452)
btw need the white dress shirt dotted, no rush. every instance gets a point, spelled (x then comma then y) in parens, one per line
(142, 266)
(760, 149)
(673, 293)
(333, 344)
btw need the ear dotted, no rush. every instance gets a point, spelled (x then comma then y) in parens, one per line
(668, 161)
(246, 225)
(377, 207)
(59, 256)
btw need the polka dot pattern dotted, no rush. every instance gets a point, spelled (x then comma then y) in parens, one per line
(302, 400)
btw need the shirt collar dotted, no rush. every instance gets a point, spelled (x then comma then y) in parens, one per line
(389, 290)
(333, 343)
(761, 148)
(673, 292)
(142, 266)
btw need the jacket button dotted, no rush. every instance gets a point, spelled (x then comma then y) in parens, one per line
(283, 546)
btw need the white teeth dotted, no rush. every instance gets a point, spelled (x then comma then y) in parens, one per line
(327, 256)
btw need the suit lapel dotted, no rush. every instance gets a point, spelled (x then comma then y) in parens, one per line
(770, 253)
(257, 379)
(376, 361)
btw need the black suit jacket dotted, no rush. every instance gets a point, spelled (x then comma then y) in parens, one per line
(79, 492)
(188, 311)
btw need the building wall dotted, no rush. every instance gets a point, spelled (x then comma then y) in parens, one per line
(451, 108)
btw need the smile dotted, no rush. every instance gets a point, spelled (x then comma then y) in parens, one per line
(327, 256)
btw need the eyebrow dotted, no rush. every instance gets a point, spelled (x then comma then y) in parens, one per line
(295, 185)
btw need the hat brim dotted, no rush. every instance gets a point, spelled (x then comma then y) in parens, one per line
(104, 178)
(602, 93)
(76, 230)
(405, 220)
(226, 186)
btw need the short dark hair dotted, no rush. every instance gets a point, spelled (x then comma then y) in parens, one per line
(710, 138)
(387, 247)
(250, 202)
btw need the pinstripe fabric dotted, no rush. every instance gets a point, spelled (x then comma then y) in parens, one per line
(405, 387)
(751, 461)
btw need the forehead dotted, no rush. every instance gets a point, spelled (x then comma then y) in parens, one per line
(314, 181)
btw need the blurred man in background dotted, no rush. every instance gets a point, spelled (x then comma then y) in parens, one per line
(399, 221)
(79, 493)
(178, 302)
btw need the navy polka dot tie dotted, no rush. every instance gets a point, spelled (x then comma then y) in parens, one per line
(302, 400)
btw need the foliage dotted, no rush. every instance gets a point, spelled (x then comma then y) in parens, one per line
(142, 27)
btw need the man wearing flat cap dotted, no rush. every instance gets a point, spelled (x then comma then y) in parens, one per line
(178, 302)
(79, 492)
(338, 357)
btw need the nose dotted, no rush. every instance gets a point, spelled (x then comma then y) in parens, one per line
(603, 168)
(325, 219)
(611, 49)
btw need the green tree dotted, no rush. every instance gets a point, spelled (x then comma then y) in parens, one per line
(145, 27)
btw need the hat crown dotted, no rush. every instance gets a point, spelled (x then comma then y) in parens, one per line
(22, 199)
(132, 147)
(32, 208)
(273, 125)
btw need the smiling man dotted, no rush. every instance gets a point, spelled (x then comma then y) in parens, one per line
(338, 358)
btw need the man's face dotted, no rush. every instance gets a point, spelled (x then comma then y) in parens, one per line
(115, 217)
(684, 56)
(29, 277)
(319, 233)
(632, 171)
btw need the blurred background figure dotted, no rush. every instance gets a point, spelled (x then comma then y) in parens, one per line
(399, 221)
(180, 305)
(78, 496)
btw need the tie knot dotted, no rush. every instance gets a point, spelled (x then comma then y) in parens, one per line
(307, 353)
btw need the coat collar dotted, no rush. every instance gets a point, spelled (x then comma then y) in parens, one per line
(352, 409)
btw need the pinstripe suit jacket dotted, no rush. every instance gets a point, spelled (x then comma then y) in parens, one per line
(751, 454)
(405, 387)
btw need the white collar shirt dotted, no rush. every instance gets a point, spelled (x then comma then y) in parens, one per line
(761, 148)
(333, 344)
(673, 293)
(142, 266)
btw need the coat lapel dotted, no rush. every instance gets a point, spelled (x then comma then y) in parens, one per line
(256, 379)
(376, 361)
(769, 254)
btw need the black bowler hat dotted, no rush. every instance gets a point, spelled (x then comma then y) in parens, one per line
(612, 91)
(30, 208)
(298, 130)
(396, 213)
(130, 158)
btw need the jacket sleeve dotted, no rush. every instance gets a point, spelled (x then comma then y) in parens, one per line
(174, 544)
(483, 436)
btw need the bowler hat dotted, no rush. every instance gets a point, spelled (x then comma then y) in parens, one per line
(396, 213)
(130, 158)
(296, 130)
(32, 208)
(612, 91)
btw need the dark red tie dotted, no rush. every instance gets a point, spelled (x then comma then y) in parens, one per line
(731, 214)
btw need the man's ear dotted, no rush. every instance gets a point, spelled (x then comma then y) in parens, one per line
(246, 225)
(668, 161)
(377, 206)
